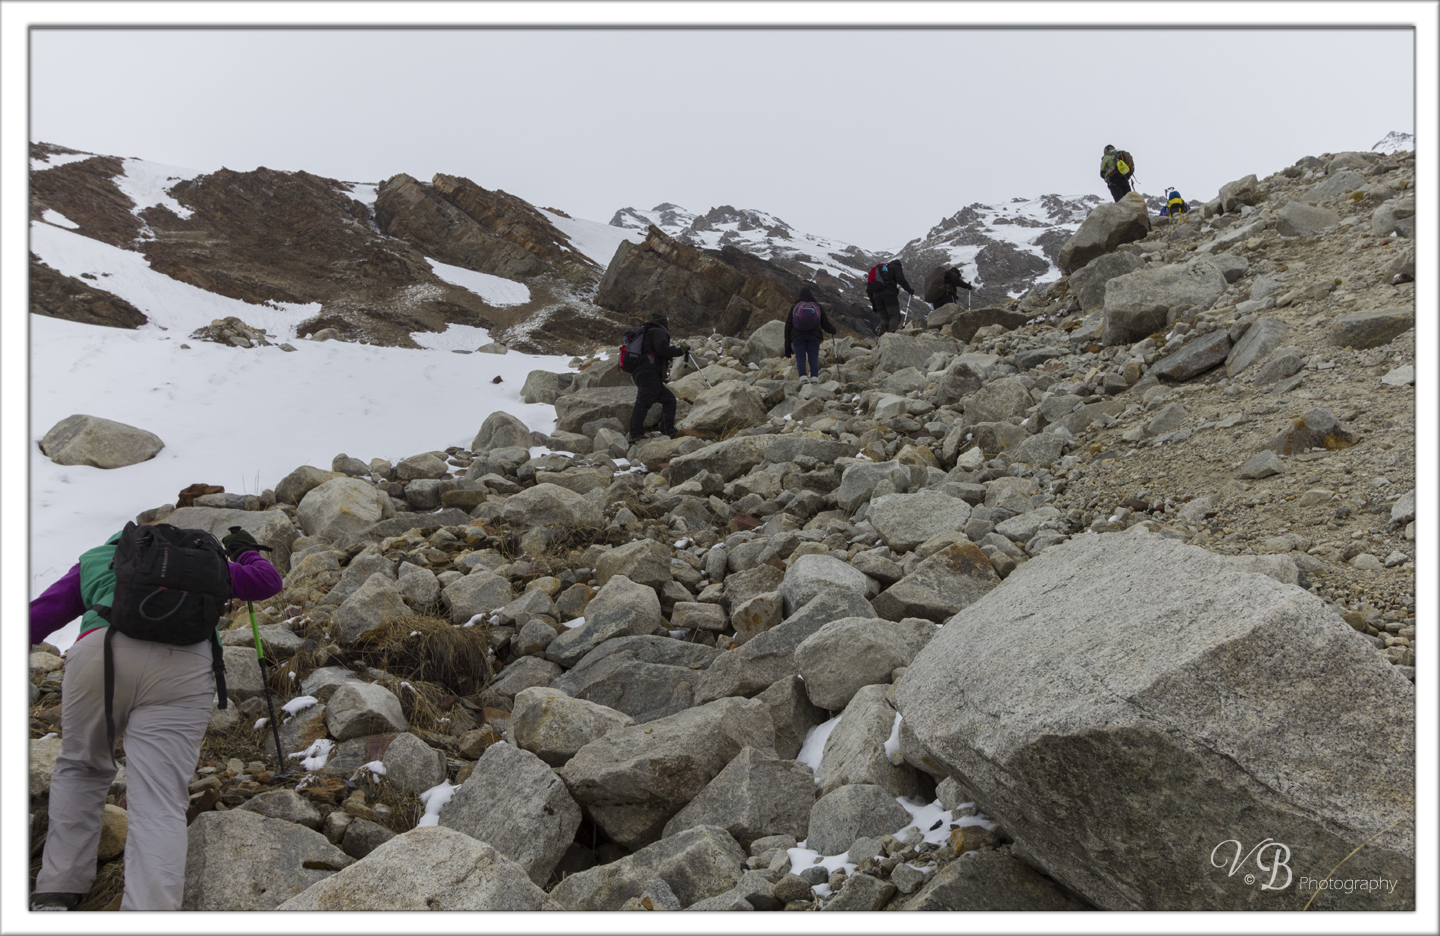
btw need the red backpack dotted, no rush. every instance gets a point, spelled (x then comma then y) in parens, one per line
(881, 273)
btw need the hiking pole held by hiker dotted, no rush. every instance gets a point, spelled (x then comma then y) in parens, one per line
(265, 664)
(698, 369)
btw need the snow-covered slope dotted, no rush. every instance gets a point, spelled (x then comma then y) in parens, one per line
(241, 418)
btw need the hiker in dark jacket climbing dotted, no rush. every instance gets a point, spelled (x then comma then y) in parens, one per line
(163, 696)
(943, 285)
(1117, 181)
(883, 288)
(802, 338)
(650, 378)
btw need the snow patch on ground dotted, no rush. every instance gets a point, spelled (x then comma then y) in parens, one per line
(495, 290)
(56, 160)
(591, 238)
(453, 338)
(54, 217)
(434, 799)
(892, 743)
(814, 744)
(364, 192)
(241, 418)
(148, 185)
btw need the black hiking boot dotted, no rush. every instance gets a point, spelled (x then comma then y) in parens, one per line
(53, 901)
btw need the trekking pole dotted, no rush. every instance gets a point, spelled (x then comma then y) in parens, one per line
(265, 680)
(698, 369)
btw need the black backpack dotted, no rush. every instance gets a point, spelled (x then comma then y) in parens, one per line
(935, 283)
(171, 586)
(632, 349)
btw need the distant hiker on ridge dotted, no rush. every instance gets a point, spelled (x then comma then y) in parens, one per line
(1174, 205)
(943, 286)
(649, 375)
(883, 287)
(1116, 168)
(162, 697)
(802, 334)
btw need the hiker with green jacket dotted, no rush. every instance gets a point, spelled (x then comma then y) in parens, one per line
(1116, 167)
(163, 695)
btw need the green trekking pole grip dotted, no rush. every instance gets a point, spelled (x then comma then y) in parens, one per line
(255, 630)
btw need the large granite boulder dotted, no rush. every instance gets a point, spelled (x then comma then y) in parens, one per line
(429, 868)
(99, 443)
(756, 795)
(904, 521)
(553, 725)
(341, 506)
(1137, 692)
(501, 430)
(621, 609)
(644, 676)
(1105, 228)
(633, 780)
(770, 657)
(513, 801)
(695, 864)
(241, 860)
(574, 410)
(1087, 284)
(1140, 303)
(732, 405)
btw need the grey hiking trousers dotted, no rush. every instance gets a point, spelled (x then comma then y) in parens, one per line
(163, 698)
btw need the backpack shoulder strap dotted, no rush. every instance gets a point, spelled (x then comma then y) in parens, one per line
(217, 658)
(109, 667)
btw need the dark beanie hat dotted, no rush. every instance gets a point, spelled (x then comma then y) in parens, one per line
(806, 295)
(659, 318)
(1109, 148)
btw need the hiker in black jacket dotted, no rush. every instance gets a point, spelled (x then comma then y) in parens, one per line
(944, 285)
(804, 341)
(650, 378)
(884, 291)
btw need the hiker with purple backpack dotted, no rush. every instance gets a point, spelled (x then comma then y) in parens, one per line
(802, 334)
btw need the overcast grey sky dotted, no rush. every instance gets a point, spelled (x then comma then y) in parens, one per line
(870, 136)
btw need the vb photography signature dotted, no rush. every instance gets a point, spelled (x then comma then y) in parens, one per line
(1278, 855)
(1280, 859)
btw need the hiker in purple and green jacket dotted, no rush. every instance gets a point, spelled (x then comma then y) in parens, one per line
(163, 697)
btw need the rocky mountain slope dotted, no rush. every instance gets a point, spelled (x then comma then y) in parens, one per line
(1145, 541)
(361, 260)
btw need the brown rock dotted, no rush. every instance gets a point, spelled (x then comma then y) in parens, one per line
(113, 829)
(473, 743)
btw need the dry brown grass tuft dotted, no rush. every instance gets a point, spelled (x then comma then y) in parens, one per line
(282, 684)
(109, 884)
(243, 741)
(432, 650)
(405, 808)
(420, 702)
